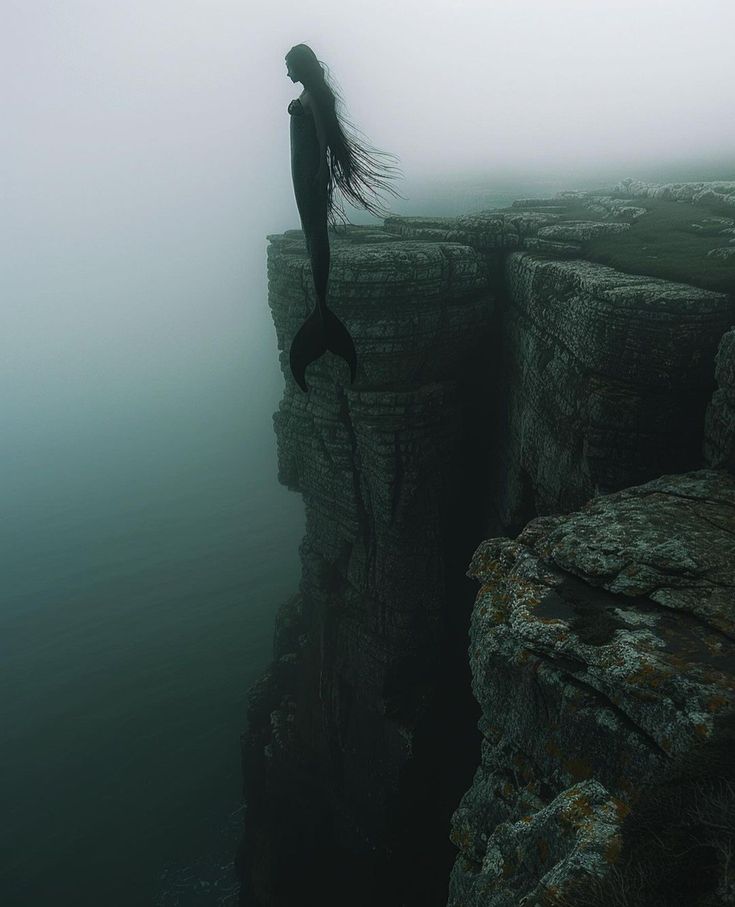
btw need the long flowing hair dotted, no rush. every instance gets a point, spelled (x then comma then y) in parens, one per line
(354, 166)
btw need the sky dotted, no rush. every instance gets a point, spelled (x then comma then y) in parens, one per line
(145, 150)
(148, 104)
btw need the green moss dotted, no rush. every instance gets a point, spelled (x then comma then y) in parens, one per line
(663, 242)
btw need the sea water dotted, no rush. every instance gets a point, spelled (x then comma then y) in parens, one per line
(146, 545)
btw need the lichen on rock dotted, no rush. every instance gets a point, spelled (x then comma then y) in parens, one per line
(603, 654)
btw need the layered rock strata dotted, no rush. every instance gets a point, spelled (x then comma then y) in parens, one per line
(719, 438)
(605, 376)
(722, 191)
(603, 656)
(351, 723)
(606, 379)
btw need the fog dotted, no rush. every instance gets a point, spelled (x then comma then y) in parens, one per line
(145, 158)
(145, 152)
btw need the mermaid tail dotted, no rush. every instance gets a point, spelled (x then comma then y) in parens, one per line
(321, 331)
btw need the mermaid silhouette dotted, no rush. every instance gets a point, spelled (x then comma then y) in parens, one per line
(324, 154)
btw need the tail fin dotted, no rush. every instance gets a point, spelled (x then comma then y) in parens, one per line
(316, 335)
(340, 342)
(308, 344)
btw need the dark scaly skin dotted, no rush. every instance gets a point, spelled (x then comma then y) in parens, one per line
(311, 194)
(322, 330)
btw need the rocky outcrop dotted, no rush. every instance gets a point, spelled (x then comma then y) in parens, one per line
(364, 704)
(603, 656)
(695, 192)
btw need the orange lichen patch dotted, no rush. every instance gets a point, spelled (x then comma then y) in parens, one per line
(551, 620)
(717, 678)
(701, 730)
(467, 864)
(485, 589)
(612, 849)
(621, 808)
(647, 675)
(723, 679)
(579, 808)
(611, 659)
(716, 703)
(484, 566)
(578, 769)
(461, 839)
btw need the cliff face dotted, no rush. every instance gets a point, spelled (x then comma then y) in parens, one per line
(354, 719)
(501, 376)
(603, 640)
(719, 436)
(607, 378)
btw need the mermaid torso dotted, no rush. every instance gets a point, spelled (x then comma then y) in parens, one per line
(304, 139)
(305, 162)
(296, 108)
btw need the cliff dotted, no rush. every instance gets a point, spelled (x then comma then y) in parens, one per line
(603, 654)
(507, 373)
(363, 710)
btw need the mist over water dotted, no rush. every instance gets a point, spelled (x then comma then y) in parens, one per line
(145, 542)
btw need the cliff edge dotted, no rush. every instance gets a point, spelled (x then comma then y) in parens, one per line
(367, 705)
(533, 377)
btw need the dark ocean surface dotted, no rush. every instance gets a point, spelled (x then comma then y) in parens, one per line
(145, 550)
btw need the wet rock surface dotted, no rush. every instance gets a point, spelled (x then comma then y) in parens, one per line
(603, 656)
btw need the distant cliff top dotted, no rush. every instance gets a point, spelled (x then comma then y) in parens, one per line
(679, 231)
(683, 232)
